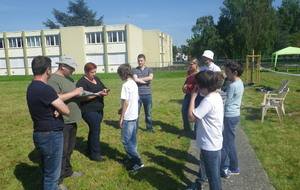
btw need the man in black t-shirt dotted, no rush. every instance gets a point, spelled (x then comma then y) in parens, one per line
(45, 108)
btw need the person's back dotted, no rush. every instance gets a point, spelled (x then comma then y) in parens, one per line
(209, 132)
(130, 93)
(209, 115)
(46, 108)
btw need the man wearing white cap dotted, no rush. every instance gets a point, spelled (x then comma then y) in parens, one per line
(208, 57)
(66, 89)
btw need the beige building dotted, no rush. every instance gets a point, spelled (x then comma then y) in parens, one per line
(107, 46)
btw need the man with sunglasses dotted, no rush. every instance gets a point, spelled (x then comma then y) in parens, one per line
(66, 89)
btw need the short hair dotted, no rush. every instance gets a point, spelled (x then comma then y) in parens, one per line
(125, 71)
(89, 66)
(141, 56)
(209, 80)
(40, 64)
(235, 66)
(194, 61)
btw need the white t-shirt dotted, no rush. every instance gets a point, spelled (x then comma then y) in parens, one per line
(210, 113)
(130, 92)
(213, 67)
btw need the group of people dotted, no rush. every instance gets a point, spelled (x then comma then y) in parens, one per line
(215, 110)
(56, 103)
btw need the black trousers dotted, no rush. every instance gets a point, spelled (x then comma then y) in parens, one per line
(69, 132)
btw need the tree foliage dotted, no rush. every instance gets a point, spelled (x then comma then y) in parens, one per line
(78, 14)
(246, 25)
(289, 23)
(205, 36)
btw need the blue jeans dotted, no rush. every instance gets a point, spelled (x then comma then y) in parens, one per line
(128, 138)
(51, 146)
(210, 169)
(94, 119)
(229, 158)
(185, 109)
(146, 100)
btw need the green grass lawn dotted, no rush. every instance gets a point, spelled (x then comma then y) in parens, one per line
(164, 152)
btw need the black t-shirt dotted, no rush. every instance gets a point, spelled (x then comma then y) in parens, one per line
(96, 104)
(39, 98)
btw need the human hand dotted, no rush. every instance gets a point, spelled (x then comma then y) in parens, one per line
(78, 91)
(104, 92)
(56, 113)
(195, 92)
(184, 88)
(121, 122)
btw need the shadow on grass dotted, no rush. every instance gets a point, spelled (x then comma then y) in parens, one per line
(173, 130)
(178, 154)
(30, 176)
(114, 124)
(178, 101)
(106, 149)
(175, 167)
(159, 179)
(252, 113)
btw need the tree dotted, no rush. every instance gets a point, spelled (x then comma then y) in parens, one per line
(246, 25)
(175, 51)
(78, 14)
(205, 36)
(289, 24)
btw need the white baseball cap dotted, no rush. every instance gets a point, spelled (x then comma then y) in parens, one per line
(208, 54)
(67, 60)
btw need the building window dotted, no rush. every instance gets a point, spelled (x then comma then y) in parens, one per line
(1, 43)
(94, 38)
(17, 63)
(116, 36)
(2, 64)
(15, 42)
(52, 40)
(116, 58)
(34, 41)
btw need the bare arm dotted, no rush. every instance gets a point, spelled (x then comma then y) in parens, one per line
(148, 78)
(191, 116)
(60, 106)
(138, 80)
(123, 110)
(69, 95)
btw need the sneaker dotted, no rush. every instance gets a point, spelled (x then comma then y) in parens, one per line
(195, 186)
(234, 172)
(136, 167)
(76, 174)
(62, 187)
(225, 174)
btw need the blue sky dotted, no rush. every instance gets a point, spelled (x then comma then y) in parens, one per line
(174, 17)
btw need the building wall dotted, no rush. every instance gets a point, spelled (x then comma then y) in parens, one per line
(134, 43)
(107, 46)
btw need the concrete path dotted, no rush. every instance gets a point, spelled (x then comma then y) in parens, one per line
(252, 177)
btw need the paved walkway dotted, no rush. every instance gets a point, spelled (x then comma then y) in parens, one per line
(252, 177)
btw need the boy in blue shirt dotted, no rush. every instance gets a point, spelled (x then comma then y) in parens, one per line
(235, 90)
